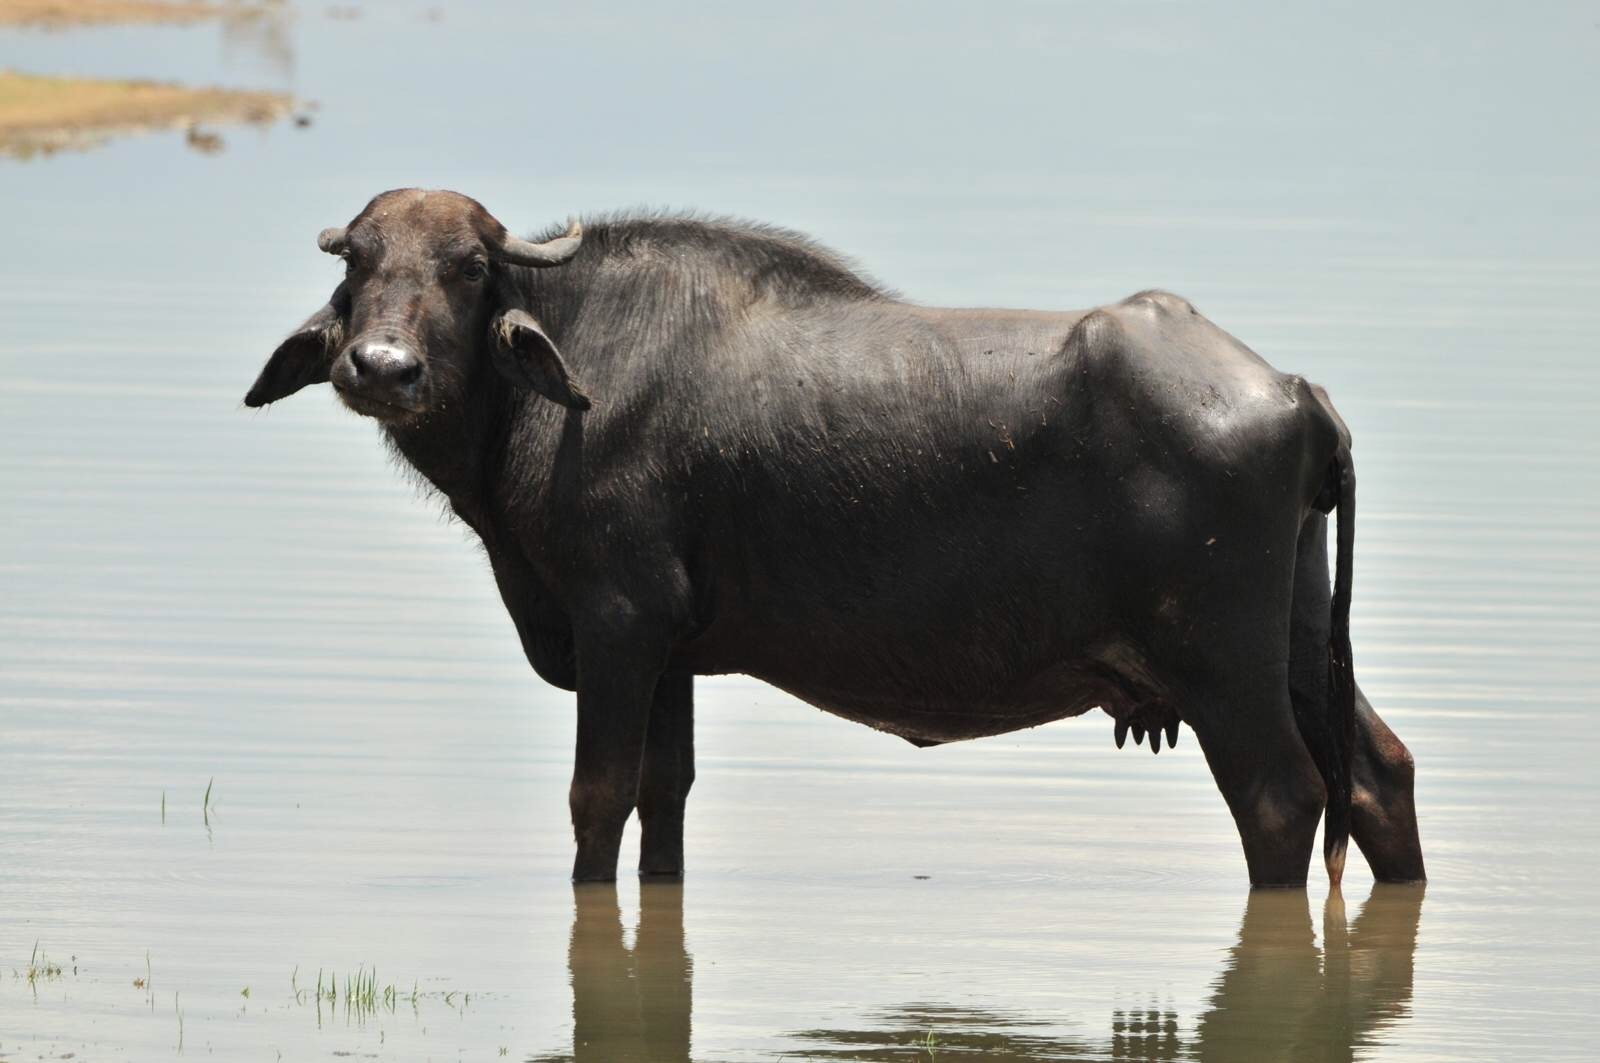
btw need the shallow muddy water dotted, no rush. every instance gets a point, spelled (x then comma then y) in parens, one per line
(198, 598)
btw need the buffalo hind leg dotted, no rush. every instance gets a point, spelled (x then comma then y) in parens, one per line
(668, 773)
(1383, 813)
(1266, 776)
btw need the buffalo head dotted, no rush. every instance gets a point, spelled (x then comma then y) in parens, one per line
(422, 305)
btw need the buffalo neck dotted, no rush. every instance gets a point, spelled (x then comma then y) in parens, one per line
(637, 290)
(457, 449)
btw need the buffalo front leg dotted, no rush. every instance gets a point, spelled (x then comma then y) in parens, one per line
(1266, 775)
(617, 677)
(1383, 813)
(668, 774)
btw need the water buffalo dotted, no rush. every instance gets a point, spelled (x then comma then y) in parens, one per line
(697, 447)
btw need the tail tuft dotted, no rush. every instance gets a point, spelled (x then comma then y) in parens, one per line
(1333, 858)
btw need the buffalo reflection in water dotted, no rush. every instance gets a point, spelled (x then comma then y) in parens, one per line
(1278, 997)
(629, 1005)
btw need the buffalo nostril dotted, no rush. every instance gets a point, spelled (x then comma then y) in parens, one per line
(382, 365)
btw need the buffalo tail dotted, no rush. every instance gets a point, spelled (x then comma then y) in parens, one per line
(1341, 672)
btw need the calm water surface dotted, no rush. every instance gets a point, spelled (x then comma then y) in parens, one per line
(1401, 206)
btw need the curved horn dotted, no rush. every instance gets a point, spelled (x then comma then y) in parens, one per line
(550, 253)
(332, 240)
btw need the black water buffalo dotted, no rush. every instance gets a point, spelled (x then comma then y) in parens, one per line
(697, 447)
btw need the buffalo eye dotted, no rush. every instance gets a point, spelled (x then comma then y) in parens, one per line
(475, 270)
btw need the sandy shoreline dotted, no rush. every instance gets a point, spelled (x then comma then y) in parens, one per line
(42, 115)
(61, 14)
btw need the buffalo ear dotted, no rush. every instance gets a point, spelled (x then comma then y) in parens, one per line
(525, 355)
(301, 360)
